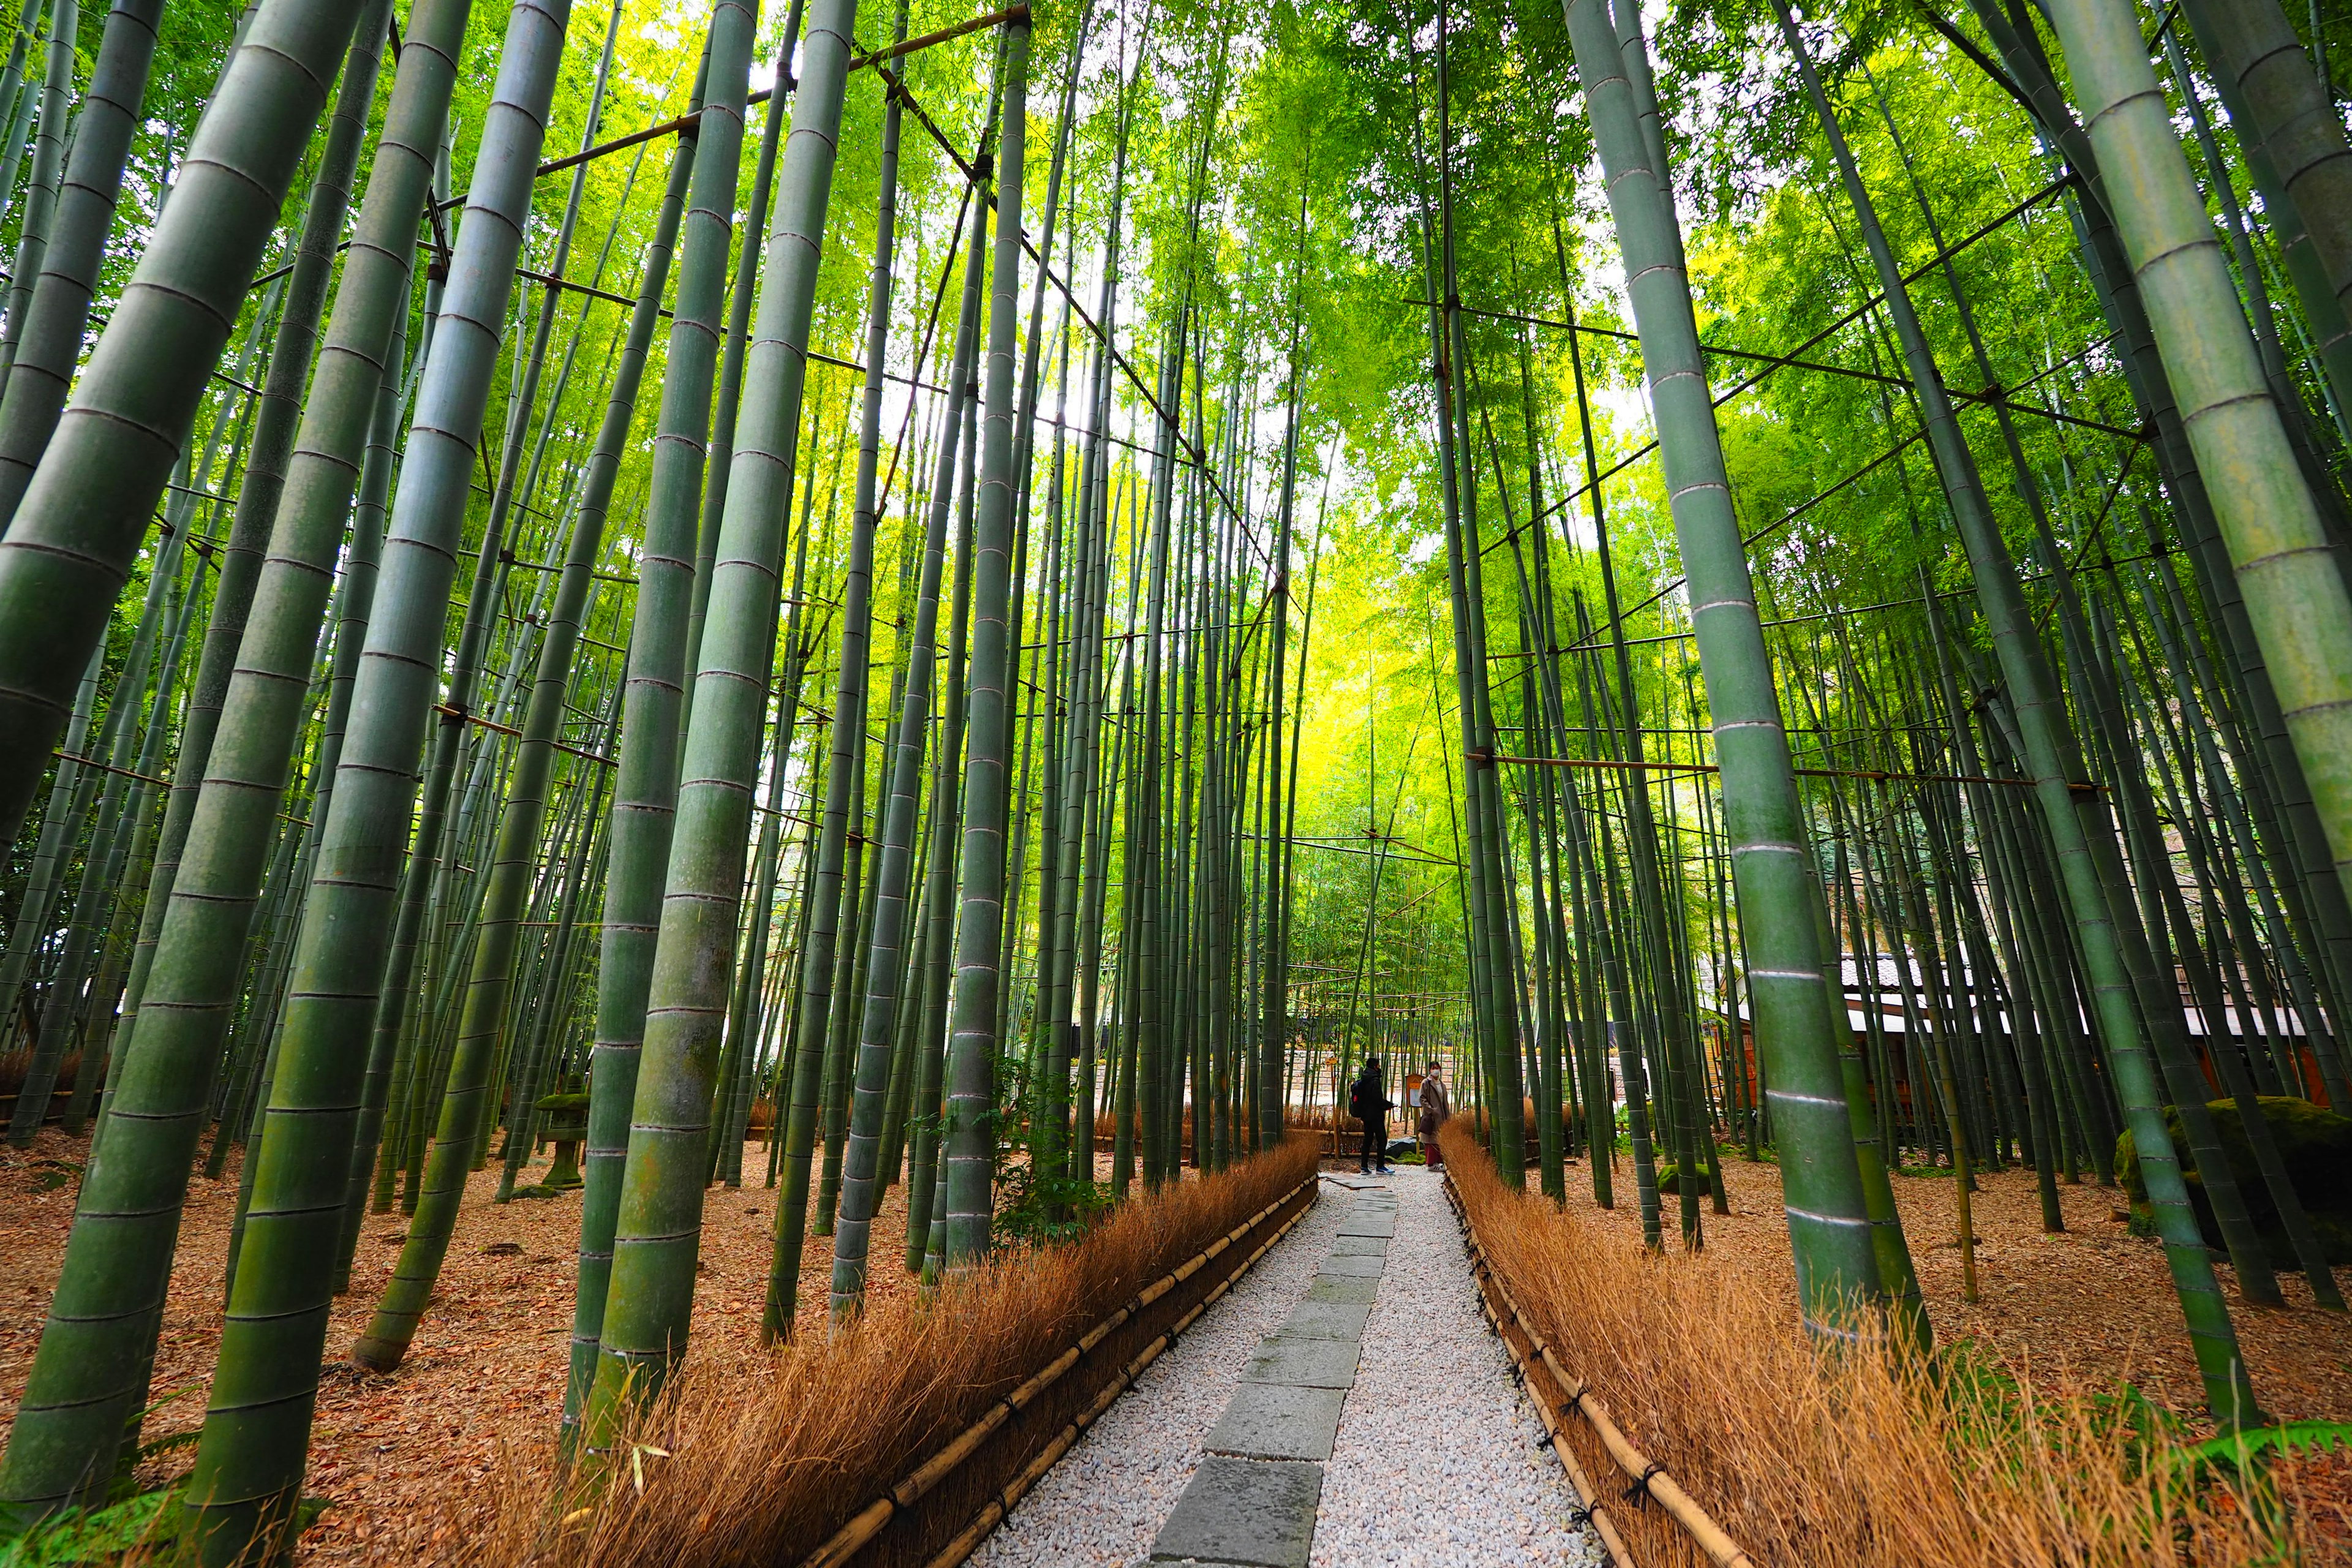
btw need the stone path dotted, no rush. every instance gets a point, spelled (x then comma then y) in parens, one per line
(1440, 1460)
(1100, 1507)
(1344, 1406)
(1253, 1500)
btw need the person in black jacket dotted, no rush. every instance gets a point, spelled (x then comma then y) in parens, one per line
(1366, 1104)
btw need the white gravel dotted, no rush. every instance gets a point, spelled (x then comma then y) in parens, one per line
(1438, 1463)
(1108, 1497)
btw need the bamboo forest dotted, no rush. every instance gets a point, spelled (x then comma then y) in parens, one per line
(1306, 784)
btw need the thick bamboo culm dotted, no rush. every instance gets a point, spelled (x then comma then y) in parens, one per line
(865, 1530)
(1649, 1478)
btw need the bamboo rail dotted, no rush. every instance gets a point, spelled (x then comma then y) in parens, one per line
(869, 1521)
(1649, 1478)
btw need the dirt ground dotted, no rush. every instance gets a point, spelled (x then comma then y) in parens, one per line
(488, 1361)
(2095, 1295)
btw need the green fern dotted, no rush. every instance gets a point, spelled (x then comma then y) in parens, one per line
(73, 1537)
(2235, 1452)
(147, 1524)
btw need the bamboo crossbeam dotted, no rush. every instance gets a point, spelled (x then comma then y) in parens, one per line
(1186, 452)
(1392, 847)
(1777, 523)
(1873, 774)
(1870, 303)
(65, 755)
(1770, 362)
(686, 121)
(472, 718)
(566, 285)
(1812, 615)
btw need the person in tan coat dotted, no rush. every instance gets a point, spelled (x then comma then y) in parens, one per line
(1435, 1107)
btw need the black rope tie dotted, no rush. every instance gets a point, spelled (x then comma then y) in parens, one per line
(1639, 1492)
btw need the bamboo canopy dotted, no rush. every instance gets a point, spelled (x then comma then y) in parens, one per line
(992, 602)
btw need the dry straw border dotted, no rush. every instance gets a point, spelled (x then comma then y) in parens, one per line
(740, 1472)
(1871, 1457)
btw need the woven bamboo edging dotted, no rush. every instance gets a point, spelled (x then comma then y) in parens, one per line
(1166, 1295)
(1649, 1478)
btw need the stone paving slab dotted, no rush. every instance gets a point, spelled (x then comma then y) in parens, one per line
(1271, 1421)
(1325, 1320)
(1304, 1362)
(1349, 1289)
(1359, 1268)
(1255, 1512)
(1253, 1500)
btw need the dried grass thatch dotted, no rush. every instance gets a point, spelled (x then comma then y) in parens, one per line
(1861, 1457)
(730, 1472)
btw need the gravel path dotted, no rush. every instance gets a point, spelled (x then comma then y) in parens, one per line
(1439, 1462)
(1107, 1499)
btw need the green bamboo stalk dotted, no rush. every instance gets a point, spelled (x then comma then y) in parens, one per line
(433, 879)
(468, 1101)
(658, 1232)
(1493, 987)
(74, 535)
(49, 141)
(645, 795)
(249, 1461)
(2298, 603)
(1275, 998)
(1778, 894)
(355, 599)
(971, 1132)
(894, 871)
(926, 1210)
(59, 310)
(848, 984)
(2294, 143)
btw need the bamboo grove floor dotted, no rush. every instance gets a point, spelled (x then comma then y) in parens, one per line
(489, 1363)
(2095, 1295)
(487, 1367)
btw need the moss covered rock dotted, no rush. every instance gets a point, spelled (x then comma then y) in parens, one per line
(2314, 1143)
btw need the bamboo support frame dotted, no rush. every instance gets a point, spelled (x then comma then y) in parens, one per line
(1875, 774)
(868, 1524)
(686, 121)
(1649, 1478)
